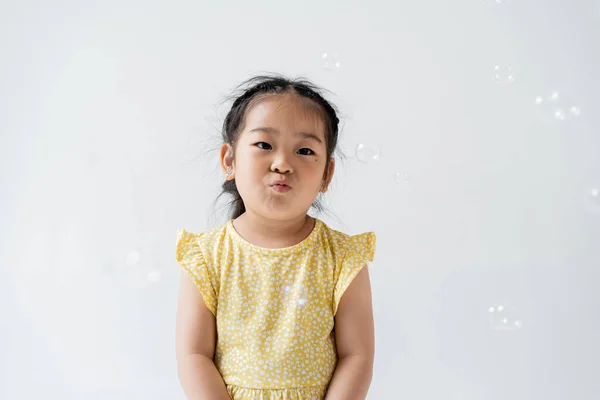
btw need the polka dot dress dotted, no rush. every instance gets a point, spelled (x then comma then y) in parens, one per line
(274, 308)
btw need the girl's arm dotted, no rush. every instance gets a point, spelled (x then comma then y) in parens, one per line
(355, 340)
(195, 346)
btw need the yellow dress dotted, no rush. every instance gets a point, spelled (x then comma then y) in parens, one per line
(274, 308)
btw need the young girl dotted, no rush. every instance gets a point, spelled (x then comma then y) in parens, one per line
(274, 304)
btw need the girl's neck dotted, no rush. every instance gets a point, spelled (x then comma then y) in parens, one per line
(273, 233)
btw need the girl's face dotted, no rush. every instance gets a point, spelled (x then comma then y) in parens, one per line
(283, 138)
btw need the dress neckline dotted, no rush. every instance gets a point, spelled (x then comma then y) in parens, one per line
(307, 241)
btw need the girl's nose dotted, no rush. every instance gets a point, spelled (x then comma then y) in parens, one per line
(281, 165)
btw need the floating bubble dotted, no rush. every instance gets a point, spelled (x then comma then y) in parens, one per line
(592, 199)
(133, 258)
(294, 295)
(556, 108)
(502, 319)
(154, 276)
(575, 111)
(504, 74)
(331, 61)
(366, 153)
(401, 178)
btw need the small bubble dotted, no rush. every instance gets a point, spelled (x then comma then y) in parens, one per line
(504, 74)
(331, 61)
(153, 276)
(401, 178)
(592, 199)
(502, 319)
(133, 258)
(556, 108)
(575, 111)
(366, 153)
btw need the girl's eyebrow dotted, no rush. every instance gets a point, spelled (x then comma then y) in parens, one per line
(273, 131)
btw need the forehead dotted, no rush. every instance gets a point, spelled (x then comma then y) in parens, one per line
(287, 113)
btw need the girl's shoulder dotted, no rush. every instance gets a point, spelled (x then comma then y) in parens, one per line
(201, 237)
(342, 242)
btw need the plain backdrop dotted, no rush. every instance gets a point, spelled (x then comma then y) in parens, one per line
(477, 129)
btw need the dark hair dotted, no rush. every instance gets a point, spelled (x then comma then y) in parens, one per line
(252, 91)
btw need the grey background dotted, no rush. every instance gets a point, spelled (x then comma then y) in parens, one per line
(109, 114)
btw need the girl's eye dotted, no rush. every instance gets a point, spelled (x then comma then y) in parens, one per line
(265, 143)
(308, 150)
(262, 143)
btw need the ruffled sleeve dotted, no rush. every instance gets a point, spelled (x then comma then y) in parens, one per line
(358, 250)
(190, 258)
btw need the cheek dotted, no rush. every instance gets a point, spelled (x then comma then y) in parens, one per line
(251, 170)
(246, 161)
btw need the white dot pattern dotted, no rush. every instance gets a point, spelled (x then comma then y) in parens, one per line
(274, 308)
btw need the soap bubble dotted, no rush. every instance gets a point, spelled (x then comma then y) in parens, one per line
(592, 199)
(575, 111)
(556, 108)
(366, 153)
(331, 61)
(133, 258)
(401, 178)
(154, 276)
(504, 74)
(502, 318)
(294, 295)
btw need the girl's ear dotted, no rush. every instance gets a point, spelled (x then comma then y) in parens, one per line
(227, 161)
(328, 175)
